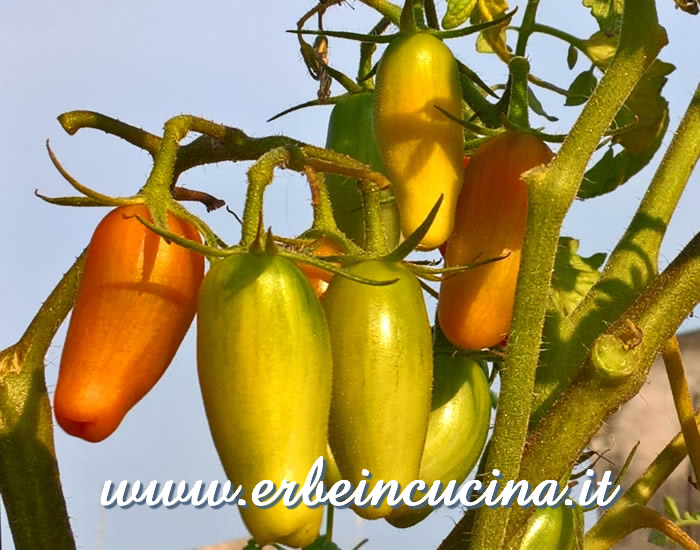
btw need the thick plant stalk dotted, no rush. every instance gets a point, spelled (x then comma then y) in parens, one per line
(29, 478)
(631, 266)
(614, 372)
(681, 398)
(605, 533)
(551, 192)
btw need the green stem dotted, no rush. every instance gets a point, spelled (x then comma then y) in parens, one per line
(259, 177)
(565, 36)
(519, 68)
(367, 50)
(605, 532)
(73, 121)
(637, 517)
(527, 27)
(375, 239)
(431, 16)
(387, 9)
(551, 192)
(631, 265)
(320, 201)
(407, 23)
(615, 371)
(681, 398)
(29, 477)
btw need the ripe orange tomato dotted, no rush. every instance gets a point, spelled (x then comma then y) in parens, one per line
(476, 305)
(135, 301)
(320, 278)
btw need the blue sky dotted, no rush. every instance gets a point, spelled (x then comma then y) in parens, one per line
(143, 62)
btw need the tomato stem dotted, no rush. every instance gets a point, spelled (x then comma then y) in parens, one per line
(681, 397)
(29, 477)
(633, 262)
(526, 29)
(518, 110)
(551, 191)
(407, 23)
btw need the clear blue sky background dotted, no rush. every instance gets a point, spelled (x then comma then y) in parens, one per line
(143, 62)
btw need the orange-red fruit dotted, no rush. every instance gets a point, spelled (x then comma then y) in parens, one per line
(320, 278)
(136, 299)
(476, 305)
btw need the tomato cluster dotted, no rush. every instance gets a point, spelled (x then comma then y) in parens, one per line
(295, 363)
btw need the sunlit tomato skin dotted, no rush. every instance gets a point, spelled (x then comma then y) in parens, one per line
(320, 278)
(382, 365)
(265, 368)
(554, 528)
(422, 149)
(476, 306)
(457, 429)
(350, 131)
(135, 301)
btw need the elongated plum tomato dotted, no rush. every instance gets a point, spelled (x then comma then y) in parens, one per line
(553, 528)
(457, 429)
(320, 278)
(136, 299)
(422, 149)
(265, 367)
(350, 131)
(476, 305)
(382, 369)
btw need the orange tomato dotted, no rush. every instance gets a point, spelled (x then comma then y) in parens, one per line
(320, 278)
(476, 305)
(135, 301)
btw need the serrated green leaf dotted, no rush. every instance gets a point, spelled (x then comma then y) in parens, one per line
(608, 13)
(613, 170)
(458, 11)
(581, 88)
(647, 106)
(536, 106)
(492, 40)
(646, 111)
(573, 275)
(572, 57)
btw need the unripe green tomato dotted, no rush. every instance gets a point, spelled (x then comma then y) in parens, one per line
(265, 367)
(382, 373)
(351, 132)
(422, 149)
(552, 529)
(457, 429)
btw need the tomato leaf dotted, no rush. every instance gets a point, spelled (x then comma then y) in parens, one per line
(581, 88)
(492, 40)
(458, 11)
(572, 57)
(536, 106)
(648, 106)
(573, 275)
(647, 111)
(608, 13)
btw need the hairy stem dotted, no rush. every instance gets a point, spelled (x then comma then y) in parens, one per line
(613, 373)
(631, 266)
(681, 398)
(527, 27)
(605, 532)
(29, 478)
(551, 192)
